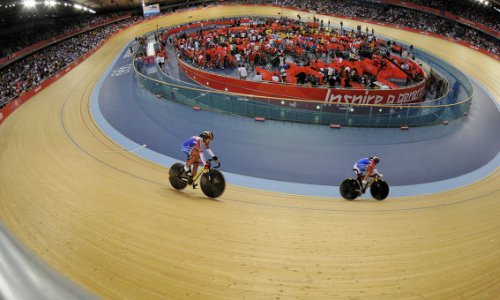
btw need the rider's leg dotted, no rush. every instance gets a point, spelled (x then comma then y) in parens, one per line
(195, 157)
(187, 166)
(193, 160)
(359, 175)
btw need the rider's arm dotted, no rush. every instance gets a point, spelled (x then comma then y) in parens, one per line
(210, 152)
(202, 157)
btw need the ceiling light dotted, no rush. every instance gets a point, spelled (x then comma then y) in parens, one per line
(77, 6)
(29, 3)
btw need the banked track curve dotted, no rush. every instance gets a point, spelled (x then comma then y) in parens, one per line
(109, 220)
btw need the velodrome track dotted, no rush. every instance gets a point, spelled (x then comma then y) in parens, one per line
(110, 221)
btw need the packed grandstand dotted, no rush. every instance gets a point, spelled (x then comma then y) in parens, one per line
(289, 51)
(29, 58)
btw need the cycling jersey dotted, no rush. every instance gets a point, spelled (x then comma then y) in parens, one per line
(192, 142)
(195, 142)
(363, 164)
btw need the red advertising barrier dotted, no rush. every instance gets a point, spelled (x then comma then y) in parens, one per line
(5, 60)
(414, 93)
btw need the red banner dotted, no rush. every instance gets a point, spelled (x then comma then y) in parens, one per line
(414, 93)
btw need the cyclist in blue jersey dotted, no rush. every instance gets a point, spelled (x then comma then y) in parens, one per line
(364, 168)
(193, 147)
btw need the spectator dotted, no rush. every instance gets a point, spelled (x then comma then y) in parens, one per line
(242, 71)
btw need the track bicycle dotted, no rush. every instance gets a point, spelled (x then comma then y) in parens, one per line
(212, 181)
(351, 188)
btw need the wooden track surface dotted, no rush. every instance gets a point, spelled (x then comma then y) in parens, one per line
(111, 222)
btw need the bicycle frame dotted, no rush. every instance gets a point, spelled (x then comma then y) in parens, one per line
(373, 178)
(200, 172)
(203, 170)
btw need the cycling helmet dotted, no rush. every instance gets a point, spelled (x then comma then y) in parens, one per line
(207, 135)
(375, 159)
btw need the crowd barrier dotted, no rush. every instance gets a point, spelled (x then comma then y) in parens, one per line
(414, 93)
(313, 112)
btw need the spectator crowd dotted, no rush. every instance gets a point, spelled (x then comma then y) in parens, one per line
(412, 18)
(28, 72)
(468, 9)
(12, 41)
(294, 52)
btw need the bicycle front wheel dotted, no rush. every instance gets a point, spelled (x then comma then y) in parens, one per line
(213, 183)
(379, 190)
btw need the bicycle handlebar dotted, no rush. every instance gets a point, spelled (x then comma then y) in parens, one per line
(209, 163)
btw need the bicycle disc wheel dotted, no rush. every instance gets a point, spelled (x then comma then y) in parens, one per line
(173, 176)
(213, 183)
(349, 189)
(379, 190)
